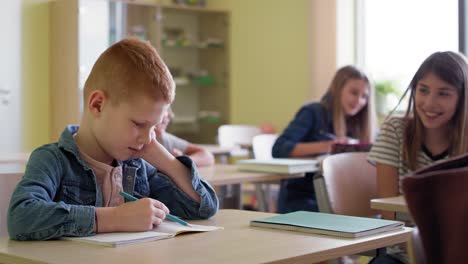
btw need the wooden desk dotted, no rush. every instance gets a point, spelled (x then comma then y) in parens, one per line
(216, 149)
(222, 246)
(21, 158)
(8, 181)
(393, 204)
(230, 181)
(224, 174)
(13, 162)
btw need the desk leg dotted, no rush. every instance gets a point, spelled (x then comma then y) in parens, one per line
(230, 196)
(262, 197)
(409, 249)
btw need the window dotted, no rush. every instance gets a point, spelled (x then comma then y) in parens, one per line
(395, 36)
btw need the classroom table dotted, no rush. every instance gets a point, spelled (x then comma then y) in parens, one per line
(224, 174)
(217, 149)
(229, 175)
(395, 204)
(237, 243)
(12, 162)
(19, 157)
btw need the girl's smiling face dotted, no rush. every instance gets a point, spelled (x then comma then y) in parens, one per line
(435, 101)
(354, 96)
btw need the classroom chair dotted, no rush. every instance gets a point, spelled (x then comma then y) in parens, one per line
(239, 139)
(237, 136)
(346, 185)
(262, 146)
(8, 183)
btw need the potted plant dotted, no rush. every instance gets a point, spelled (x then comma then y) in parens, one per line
(385, 91)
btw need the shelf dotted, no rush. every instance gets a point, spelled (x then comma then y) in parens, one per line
(193, 47)
(180, 81)
(206, 60)
(184, 120)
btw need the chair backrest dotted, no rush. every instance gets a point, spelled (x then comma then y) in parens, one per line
(346, 185)
(437, 200)
(262, 145)
(235, 135)
(8, 183)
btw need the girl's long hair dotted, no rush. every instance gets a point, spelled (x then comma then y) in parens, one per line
(452, 68)
(361, 125)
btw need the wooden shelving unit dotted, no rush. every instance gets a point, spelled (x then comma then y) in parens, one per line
(193, 41)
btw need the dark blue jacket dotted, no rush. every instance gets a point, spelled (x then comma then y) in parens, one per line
(312, 123)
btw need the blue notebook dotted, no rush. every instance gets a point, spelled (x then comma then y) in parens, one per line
(328, 224)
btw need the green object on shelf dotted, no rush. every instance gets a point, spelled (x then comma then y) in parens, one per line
(205, 80)
(210, 119)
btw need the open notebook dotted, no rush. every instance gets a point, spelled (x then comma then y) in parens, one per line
(328, 224)
(165, 230)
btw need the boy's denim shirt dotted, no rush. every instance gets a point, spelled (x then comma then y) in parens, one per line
(59, 193)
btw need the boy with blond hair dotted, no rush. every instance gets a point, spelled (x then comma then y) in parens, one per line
(71, 188)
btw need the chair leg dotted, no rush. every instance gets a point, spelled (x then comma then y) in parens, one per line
(262, 198)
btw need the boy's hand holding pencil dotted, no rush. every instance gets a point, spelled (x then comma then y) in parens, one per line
(141, 215)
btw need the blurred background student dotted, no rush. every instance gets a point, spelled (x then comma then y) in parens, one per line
(178, 146)
(345, 111)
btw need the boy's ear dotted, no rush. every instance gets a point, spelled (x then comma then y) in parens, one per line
(96, 102)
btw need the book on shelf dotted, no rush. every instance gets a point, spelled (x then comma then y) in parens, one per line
(166, 229)
(328, 224)
(289, 166)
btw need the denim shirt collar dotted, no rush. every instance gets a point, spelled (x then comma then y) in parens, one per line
(67, 143)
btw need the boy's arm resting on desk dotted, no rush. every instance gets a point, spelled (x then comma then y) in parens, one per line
(34, 215)
(179, 147)
(163, 188)
(160, 157)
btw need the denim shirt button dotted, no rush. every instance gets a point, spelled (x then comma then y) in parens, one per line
(129, 177)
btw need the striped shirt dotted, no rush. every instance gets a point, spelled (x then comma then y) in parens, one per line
(388, 148)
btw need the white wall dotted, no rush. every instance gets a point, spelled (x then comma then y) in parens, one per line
(10, 88)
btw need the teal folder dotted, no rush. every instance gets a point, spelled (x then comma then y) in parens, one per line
(328, 224)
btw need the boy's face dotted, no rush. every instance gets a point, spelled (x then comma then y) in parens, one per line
(122, 130)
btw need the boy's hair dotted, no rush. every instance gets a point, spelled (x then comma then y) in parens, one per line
(130, 67)
(452, 68)
(361, 125)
